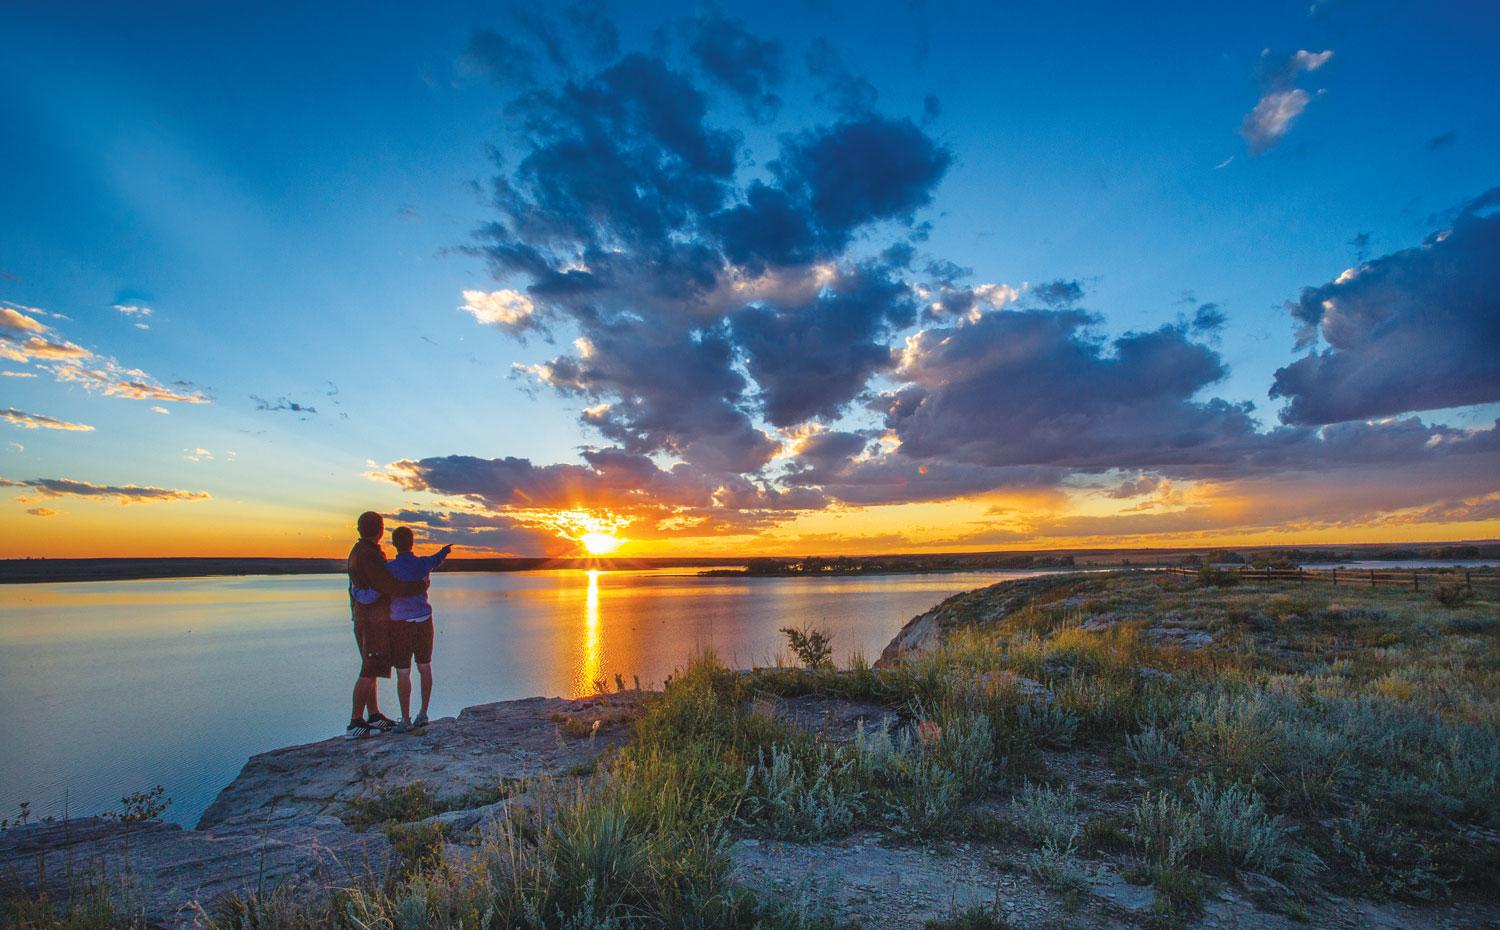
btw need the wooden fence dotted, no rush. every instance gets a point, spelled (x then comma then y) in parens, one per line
(1416, 579)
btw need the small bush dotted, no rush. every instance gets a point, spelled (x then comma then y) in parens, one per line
(142, 806)
(1453, 595)
(1241, 835)
(1046, 815)
(795, 799)
(1165, 831)
(1210, 577)
(1046, 724)
(972, 918)
(1152, 750)
(813, 647)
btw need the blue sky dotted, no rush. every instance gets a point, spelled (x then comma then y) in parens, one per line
(295, 193)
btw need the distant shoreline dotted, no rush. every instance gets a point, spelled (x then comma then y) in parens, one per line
(45, 570)
(36, 571)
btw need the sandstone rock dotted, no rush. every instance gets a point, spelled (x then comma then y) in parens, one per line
(280, 822)
(161, 870)
(481, 749)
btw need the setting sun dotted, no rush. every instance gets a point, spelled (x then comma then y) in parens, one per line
(600, 543)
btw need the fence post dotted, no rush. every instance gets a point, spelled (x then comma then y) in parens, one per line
(1468, 581)
(1335, 576)
(1372, 577)
(1301, 578)
(1268, 574)
(1416, 581)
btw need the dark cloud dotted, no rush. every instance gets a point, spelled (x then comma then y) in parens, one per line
(497, 58)
(1032, 387)
(846, 92)
(830, 183)
(1135, 487)
(1413, 330)
(1208, 318)
(932, 108)
(1058, 293)
(811, 359)
(749, 66)
(281, 404)
(123, 493)
(1442, 140)
(487, 531)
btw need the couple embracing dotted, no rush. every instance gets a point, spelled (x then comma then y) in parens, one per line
(392, 624)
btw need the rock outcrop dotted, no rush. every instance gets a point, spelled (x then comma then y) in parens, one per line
(925, 632)
(286, 821)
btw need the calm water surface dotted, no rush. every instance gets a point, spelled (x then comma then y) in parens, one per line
(112, 687)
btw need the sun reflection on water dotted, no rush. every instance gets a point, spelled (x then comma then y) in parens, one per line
(588, 671)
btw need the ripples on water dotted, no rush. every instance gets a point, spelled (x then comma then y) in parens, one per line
(113, 687)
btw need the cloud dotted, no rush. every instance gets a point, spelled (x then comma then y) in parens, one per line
(124, 494)
(41, 511)
(1412, 330)
(197, 455)
(133, 310)
(1442, 140)
(24, 338)
(1033, 387)
(17, 374)
(749, 66)
(506, 309)
(1280, 103)
(37, 421)
(818, 202)
(490, 532)
(843, 90)
(497, 58)
(281, 404)
(161, 410)
(810, 359)
(114, 380)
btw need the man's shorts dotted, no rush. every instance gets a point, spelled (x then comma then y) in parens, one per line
(372, 635)
(409, 641)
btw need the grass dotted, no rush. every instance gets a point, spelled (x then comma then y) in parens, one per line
(1319, 741)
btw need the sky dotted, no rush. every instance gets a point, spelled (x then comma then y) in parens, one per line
(770, 278)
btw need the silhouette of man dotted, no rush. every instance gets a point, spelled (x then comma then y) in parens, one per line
(371, 586)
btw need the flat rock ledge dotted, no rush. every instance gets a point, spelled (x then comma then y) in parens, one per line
(281, 821)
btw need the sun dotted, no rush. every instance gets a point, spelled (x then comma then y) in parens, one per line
(595, 543)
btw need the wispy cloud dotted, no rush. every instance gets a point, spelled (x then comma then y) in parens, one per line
(133, 310)
(25, 338)
(17, 374)
(41, 511)
(39, 421)
(281, 404)
(1281, 102)
(122, 493)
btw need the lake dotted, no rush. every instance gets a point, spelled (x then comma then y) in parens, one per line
(112, 687)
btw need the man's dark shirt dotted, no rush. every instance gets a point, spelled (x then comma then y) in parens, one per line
(367, 569)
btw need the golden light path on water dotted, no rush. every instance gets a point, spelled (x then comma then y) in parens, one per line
(592, 653)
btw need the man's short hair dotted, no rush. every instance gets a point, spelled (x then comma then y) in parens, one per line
(370, 524)
(402, 537)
